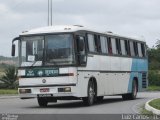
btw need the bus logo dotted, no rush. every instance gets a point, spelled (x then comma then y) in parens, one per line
(43, 81)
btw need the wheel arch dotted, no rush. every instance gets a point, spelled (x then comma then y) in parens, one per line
(136, 80)
(95, 82)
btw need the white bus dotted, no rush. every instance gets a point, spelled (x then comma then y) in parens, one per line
(72, 62)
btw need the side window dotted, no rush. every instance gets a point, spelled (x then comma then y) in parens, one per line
(109, 46)
(118, 47)
(139, 50)
(97, 43)
(114, 48)
(104, 44)
(127, 47)
(132, 48)
(143, 50)
(135, 48)
(91, 43)
(123, 47)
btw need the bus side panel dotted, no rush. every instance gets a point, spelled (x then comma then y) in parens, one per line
(82, 84)
(139, 66)
(83, 79)
(124, 75)
(92, 70)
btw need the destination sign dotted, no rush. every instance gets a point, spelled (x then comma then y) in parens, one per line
(41, 72)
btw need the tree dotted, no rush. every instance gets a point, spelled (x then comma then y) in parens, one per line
(158, 44)
(8, 80)
(154, 57)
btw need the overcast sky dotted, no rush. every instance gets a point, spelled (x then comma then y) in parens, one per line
(139, 18)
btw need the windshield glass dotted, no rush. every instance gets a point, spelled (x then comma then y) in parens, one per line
(47, 50)
(32, 51)
(59, 49)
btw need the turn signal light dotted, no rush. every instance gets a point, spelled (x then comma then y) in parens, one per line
(71, 74)
(66, 89)
(22, 91)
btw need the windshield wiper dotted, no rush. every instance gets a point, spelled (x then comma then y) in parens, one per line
(33, 63)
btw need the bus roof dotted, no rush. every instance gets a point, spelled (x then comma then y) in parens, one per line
(72, 28)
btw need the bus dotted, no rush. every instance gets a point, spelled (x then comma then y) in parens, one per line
(72, 62)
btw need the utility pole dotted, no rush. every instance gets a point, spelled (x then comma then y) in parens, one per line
(48, 12)
(50, 16)
(51, 12)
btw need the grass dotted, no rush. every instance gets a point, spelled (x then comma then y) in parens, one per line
(155, 103)
(8, 91)
(145, 112)
(153, 88)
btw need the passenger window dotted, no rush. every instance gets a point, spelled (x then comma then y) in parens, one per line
(109, 46)
(104, 44)
(123, 47)
(135, 48)
(139, 50)
(97, 43)
(143, 50)
(118, 47)
(91, 43)
(132, 48)
(114, 49)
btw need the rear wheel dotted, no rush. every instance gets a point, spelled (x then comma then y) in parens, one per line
(42, 102)
(133, 94)
(99, 98)
(91, 94)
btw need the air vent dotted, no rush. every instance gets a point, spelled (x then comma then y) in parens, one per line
(78, 25)
(24, 31)
(67, 28)
(109, 32)
(144, 80)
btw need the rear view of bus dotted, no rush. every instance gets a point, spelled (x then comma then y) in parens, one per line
(63, 63)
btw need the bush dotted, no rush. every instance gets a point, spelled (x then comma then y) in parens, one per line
(154, 77)
(9, 79)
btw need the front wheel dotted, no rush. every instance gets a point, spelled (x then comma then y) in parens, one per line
(133, 94)
(91, 94)
(99, 98)
(42, 102)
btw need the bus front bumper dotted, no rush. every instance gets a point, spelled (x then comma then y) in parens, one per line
(56, 91)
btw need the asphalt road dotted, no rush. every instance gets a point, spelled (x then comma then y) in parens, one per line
(110, 105)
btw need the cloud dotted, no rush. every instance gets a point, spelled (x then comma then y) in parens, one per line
(126, 17)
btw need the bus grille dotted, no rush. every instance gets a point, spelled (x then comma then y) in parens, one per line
(144, 80)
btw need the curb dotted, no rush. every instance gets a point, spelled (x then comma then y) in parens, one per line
(8, 97)
(150, 108)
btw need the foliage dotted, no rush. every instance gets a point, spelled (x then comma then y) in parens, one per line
(8, 80)
(154, 77)
(154, 59)
(2, 58)
(158, 44)
(154, 65)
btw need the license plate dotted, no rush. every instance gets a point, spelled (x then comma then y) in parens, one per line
(42, 90)
(45, 95)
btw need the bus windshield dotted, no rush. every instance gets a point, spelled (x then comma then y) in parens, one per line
(47, 50)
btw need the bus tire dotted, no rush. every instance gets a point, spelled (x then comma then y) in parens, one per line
(42, 102)
(133, 94)
(99, 98)
(91, 94)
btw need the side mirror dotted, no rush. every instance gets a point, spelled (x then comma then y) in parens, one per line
(13, 49)
(14, 46)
